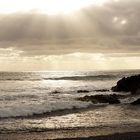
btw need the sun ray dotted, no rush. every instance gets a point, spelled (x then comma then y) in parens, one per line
(47, 6)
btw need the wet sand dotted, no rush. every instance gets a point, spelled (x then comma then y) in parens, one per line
(125, 125)
(105, 133)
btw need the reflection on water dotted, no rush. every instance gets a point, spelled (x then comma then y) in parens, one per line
(96, 117)
(25, 94)
(111, 116)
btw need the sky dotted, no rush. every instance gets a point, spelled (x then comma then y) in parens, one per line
(41, 35)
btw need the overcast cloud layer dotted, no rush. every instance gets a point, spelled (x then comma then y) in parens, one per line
(114, 27)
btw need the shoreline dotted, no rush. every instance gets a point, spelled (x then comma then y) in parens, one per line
(116, 136)
(97, 121)
(104, 133)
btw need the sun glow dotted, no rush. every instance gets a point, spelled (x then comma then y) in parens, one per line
(46, 6)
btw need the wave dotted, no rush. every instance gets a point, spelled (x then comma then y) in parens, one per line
(18, 97)
(38, 76)
(95, 77)
(74, 78)
(52, 113)
(19, 79)
(24, 111)
(57, 108)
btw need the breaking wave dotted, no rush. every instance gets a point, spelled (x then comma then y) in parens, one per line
(74, 78)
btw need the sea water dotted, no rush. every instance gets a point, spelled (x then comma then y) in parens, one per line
(36, 101)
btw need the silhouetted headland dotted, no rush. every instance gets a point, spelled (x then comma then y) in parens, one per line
(128, 84)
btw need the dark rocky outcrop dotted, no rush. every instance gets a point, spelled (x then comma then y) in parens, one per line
(55, 92)
(137, 102)
(111, 99)
(86, 91)
(102, 90)
(129, 84)
(82, 91)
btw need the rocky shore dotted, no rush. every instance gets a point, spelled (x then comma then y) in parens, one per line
(126, 84)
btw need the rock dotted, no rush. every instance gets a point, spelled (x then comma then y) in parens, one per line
(86, 91)
(129, 84)
(138, 91)
(137, 102)
(82, 91)
(55, 92)
(102, 90)
(111, 99)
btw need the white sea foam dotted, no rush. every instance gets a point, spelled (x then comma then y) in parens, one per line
(27, 96)
(20, 109)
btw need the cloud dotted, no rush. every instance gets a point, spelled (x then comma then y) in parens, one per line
(75, 61)
(113, 27)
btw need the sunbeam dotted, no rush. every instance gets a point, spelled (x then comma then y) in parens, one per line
(50, 7)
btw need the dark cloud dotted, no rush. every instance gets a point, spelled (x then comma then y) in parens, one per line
(114, 27)
(126, 10)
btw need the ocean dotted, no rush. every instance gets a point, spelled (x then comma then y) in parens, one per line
(42, 101)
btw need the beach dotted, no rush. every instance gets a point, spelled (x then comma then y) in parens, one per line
(79, 126)
(107, 133)
(46, 105)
